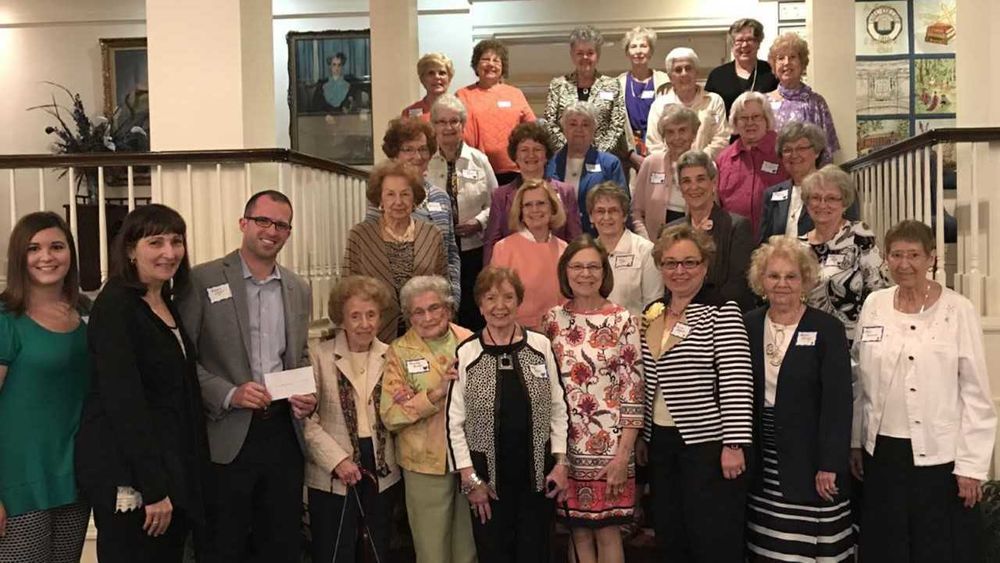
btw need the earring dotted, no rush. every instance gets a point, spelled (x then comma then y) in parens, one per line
(131, 261)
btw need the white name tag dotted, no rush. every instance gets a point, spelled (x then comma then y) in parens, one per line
(471, 174)
(680, 330)
(539, 371)
(657, 177)
(769, 167)
(596, 167)
(624, 260)
(872, 333)
(806, 339)
(219, 293)
(418, 366)
(504, 104)
(416, 112)
(647, 94)
(435, 206)
(779, 196)
(606, 95)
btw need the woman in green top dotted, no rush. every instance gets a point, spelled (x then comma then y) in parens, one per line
(44, 375)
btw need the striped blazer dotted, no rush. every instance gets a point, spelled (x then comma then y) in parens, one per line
(706, 378)
(367, 255)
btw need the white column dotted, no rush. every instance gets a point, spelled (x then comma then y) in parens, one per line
(830, 26)
(394, 62)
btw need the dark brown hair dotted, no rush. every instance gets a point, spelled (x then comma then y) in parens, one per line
(493, 276)
(147, 221)
(403, 129)
(273, 195)
(387, 168)
(497, 47)
(529, 131)
(910, 231)
(683, 231)
(15, 297)
(584, 242)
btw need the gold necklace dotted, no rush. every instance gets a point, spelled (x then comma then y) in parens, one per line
(773, 349)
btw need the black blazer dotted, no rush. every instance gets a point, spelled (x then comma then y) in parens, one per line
(813, 405)
(142, 423)
(774, 219)
(733, 245)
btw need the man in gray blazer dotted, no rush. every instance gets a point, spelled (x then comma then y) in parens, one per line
(248, 317)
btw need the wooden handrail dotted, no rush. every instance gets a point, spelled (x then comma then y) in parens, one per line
(117, 159)
(930, 138)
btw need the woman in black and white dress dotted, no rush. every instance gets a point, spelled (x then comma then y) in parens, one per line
(698, 406)
(798, 508)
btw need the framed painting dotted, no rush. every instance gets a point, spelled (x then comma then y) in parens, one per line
(330, 95)
(125, 70)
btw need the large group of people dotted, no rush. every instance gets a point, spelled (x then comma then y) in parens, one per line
(531, 312)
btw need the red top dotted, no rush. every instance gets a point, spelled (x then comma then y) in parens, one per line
(419, 109)
(492, 115)
(745, 173)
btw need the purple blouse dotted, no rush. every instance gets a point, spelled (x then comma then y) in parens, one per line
(806, 106)
(636, 105)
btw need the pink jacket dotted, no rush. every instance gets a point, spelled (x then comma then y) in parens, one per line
(744, 175)
(651, 194)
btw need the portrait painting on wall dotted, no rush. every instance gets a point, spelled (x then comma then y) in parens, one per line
(125, 71)
(330, 95)
(881, 28)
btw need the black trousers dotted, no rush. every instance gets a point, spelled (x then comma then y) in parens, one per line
(519, 530)
(255, 502)
(120, 538)
(468, 313)
(699, 515)
(913, 514)
(336, 521)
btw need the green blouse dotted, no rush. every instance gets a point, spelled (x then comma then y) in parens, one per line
(48, 375)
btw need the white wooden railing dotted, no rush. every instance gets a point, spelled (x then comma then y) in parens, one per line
(209, 189)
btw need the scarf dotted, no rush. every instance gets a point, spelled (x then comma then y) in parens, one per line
(348, 407)
(800, 94)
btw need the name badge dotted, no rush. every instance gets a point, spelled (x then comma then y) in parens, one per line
(418, 366)
(657, 177)
(596, 167)
(647, 94)
(504, 104)
(219, 293)
(872, 333)
(806, 339)
(680, 330)
(624, 260)
(435, 206)
(769, 167)
(606, 95)
(539, 371)
(779, 196)
(416, 112)
(471, 174)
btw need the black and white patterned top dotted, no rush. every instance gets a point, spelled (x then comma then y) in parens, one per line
(706, 378)
(472, 404)
(850, 269)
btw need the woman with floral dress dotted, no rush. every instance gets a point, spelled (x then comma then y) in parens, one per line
(596, 344)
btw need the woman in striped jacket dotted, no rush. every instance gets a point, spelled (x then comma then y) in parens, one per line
(699, 406)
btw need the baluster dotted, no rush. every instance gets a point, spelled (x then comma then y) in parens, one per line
(13, 200)
(975, 277)
(926, 185)
(131, 190)
(220, 248)
(191, 218)
(41, 189)
(73, 227)
(247, 182)
(102, 223)
(156, 191)
(296, 243)
(939, 273)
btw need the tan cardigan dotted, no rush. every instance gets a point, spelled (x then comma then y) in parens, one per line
(418, 424)
(325, 432)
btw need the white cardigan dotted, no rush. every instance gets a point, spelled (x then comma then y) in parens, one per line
(948, 400)
(713, 133)
(476, 183)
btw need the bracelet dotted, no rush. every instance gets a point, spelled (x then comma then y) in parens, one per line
(470, 485)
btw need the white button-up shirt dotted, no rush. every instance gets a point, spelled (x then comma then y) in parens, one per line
(475, 182)
(947, 392)
(637, 279)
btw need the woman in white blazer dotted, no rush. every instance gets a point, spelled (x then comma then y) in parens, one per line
(924, 420)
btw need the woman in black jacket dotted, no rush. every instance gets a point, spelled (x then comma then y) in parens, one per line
(141, 448)
(798, 506)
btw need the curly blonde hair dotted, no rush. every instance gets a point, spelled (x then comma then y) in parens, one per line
(789, 42)
(785, 247)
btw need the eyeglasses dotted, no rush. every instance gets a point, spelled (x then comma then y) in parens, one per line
(816, 199)
(744, 41)
(431, 310)
(609, 211)
(580, 268)
(744, 119)
(494, 60)
(448, 122)
(424, 150)
(686, 264)
(267, 222)
(789, 151)
(908, 256)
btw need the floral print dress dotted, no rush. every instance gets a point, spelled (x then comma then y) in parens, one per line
(600, 365)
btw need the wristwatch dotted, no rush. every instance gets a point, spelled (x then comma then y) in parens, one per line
(470, 485)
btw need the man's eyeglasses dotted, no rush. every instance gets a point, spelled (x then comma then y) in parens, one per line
(266, 222)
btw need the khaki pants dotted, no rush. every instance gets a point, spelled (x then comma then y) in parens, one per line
(440, 519)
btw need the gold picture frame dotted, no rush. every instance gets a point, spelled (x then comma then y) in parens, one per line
(125, 74)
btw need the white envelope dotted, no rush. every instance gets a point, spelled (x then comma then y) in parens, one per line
(284, 384)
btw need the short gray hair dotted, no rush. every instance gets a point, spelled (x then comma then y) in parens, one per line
(639, 32)
(449, 101)
(830, 174)
(678, 53)
(743, 23)
(678, 114)
(586, 34)
(741, 102)
(585, 109)
(422, 284)
(695, 159)
(795, 130)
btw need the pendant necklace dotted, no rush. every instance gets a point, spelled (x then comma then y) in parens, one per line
(773, 349)
(505, 362)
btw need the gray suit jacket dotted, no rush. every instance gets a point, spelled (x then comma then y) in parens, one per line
(221, 334)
